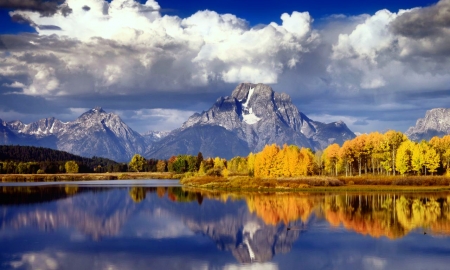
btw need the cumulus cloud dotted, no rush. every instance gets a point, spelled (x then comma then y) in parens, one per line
(424, 22)
(14, 85)
(127, 49)
(124, 50)
(407, 51)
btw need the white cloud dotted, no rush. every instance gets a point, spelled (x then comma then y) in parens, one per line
(367, 39)
(14, 85)
(378, 54)
(128, 46)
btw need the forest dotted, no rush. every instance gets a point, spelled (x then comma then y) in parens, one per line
(15, 159)
(390, 153)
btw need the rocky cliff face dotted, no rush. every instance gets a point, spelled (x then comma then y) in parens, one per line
(435, 123)
(94, 133)
(257, 115)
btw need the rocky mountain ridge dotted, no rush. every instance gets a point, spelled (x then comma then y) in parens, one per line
(94, 133)
(253, 116)
(435, 123)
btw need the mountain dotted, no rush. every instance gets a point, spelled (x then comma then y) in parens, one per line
(6, 135)
(435, 123)
(210, 140)
(155, 136)
(94, 133)
(253, 116)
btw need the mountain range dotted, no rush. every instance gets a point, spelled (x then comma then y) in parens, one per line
(94, 133)
(253, 116)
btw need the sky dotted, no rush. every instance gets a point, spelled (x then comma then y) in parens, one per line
(376, 65)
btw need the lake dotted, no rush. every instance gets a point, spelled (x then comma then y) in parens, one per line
(151, 224)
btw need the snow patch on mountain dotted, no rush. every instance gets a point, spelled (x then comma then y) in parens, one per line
(250, 118)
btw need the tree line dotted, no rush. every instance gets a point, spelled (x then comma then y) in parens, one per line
(15, 159)
(389, 153)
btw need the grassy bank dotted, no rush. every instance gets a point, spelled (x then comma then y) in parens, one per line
(317, 183)
(85, 176)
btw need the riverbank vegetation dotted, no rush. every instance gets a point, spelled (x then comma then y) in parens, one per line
(86, 176)
(388, 159)
(369, 159)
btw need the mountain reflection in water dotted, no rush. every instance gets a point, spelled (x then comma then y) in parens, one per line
(169, 221)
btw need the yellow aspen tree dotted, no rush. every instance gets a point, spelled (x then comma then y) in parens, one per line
(445, 148)
(404, 157)
(294, 157)
(279, 163)
(376, 141)
(333, 156)
(432, 160)
(393, 139)
(285, 161)
(318, 161)
(358, 145)
(251, 163)
(418, 157)
(265, 161)
(346, 156)
(243, 166)
(308, 161)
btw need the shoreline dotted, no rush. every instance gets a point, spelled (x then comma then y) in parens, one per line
(245, 183)
(10, 178)
(320, 184)
(358, 188)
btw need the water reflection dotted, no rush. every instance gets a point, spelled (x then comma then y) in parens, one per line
(209, 229)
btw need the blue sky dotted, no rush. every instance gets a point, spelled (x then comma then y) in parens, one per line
(157, 62)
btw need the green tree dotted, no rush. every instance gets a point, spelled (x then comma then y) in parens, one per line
(181, 164)
(71, 167)
(137, 163)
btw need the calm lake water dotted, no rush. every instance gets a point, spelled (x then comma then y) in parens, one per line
(158, 225)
